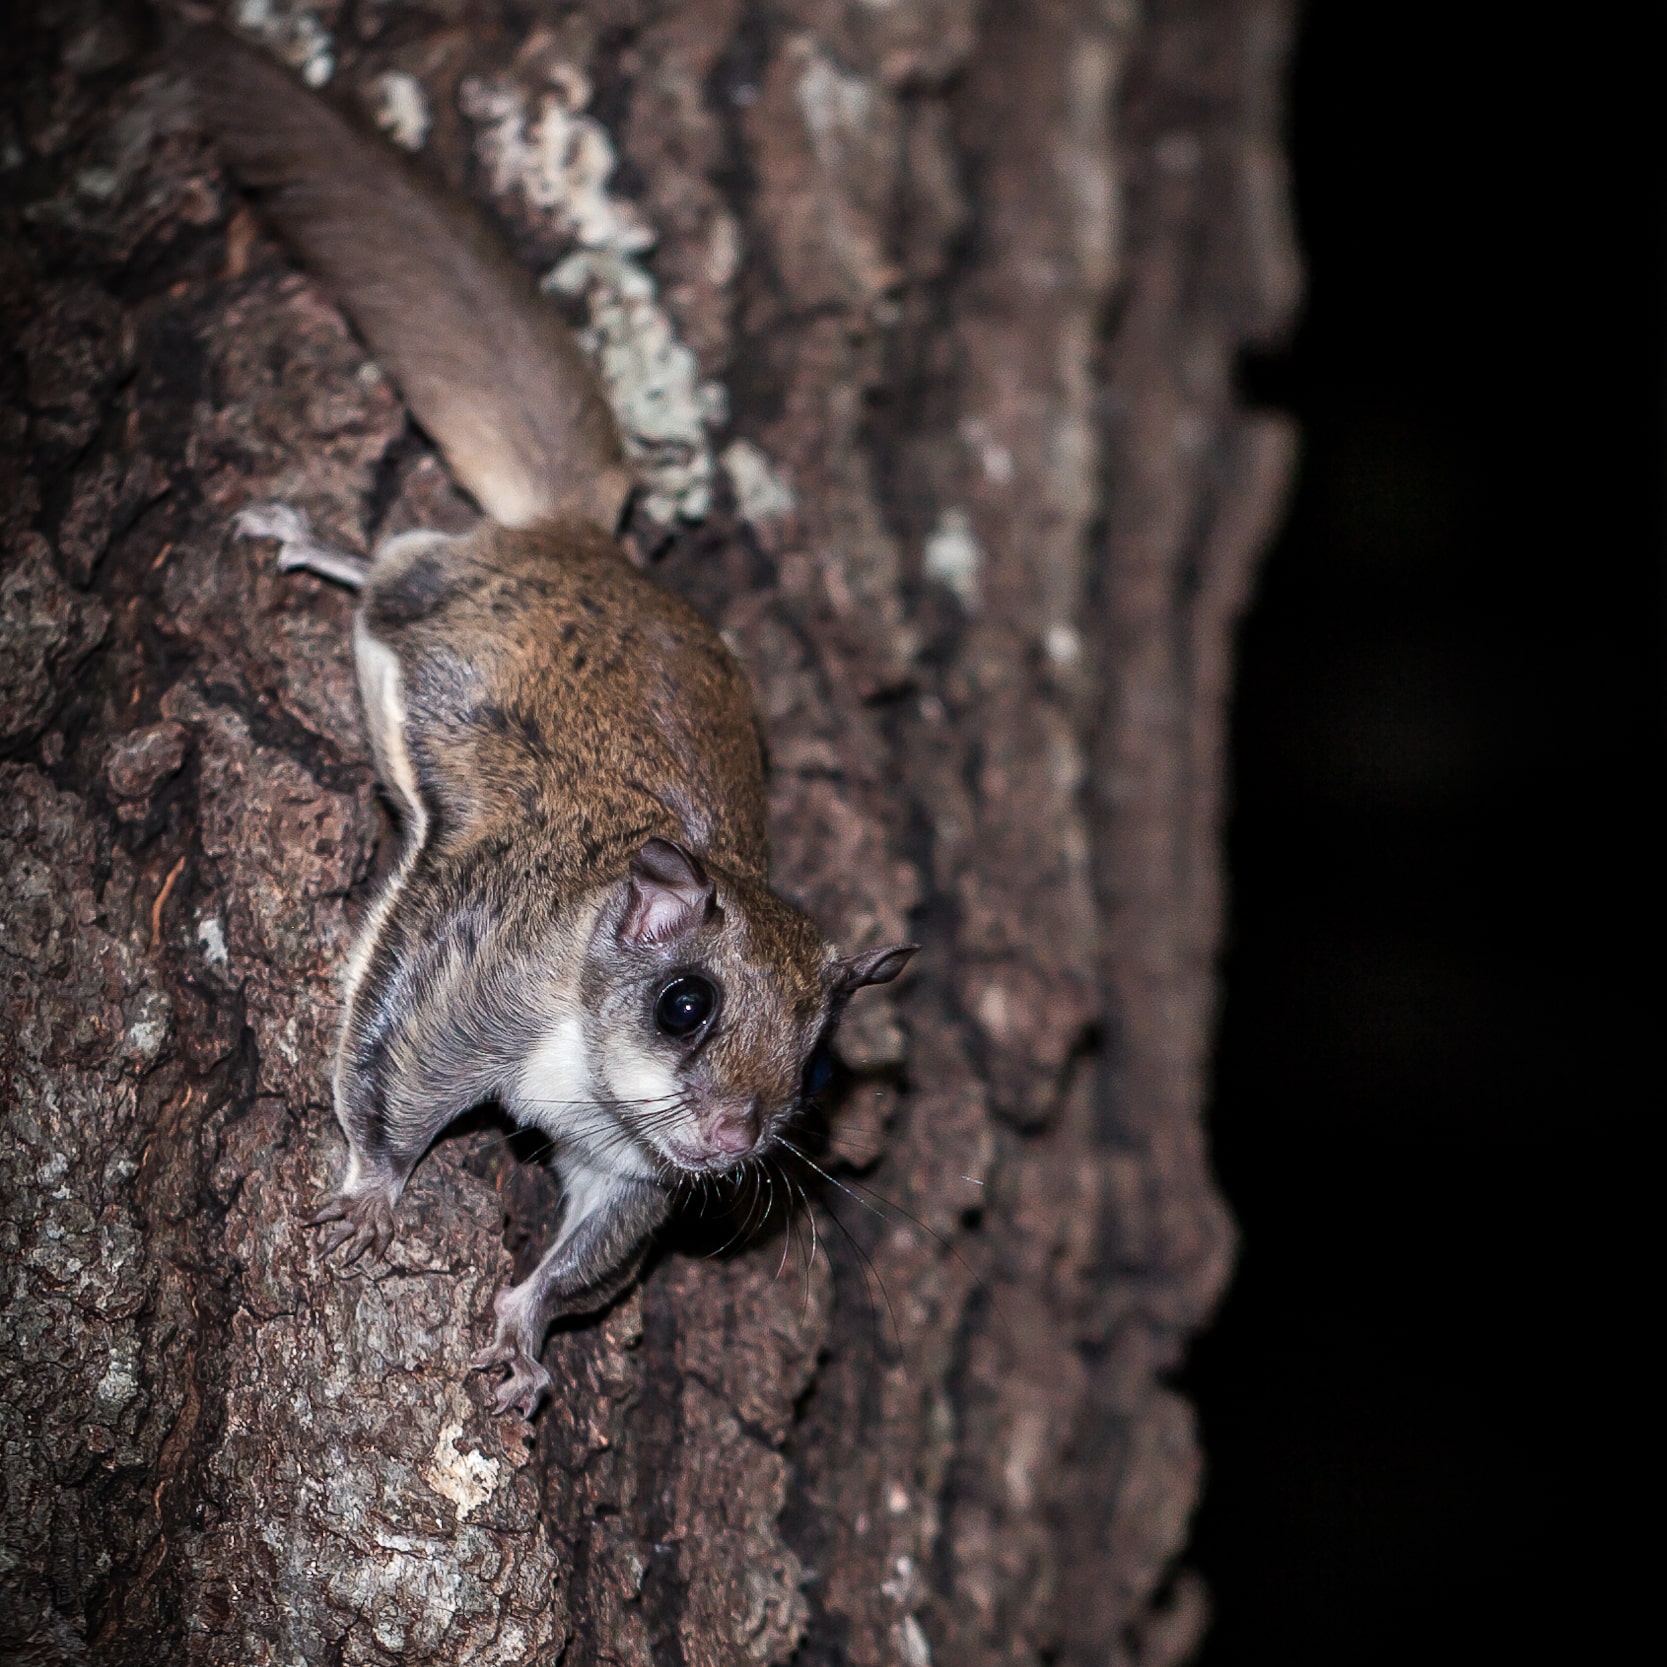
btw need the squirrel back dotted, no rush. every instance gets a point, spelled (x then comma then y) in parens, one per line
(481, 359)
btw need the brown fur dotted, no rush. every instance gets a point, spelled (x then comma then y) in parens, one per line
(574, 750)
(551, 686)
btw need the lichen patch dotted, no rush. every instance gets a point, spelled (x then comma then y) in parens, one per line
(293, 32)
(468, 1480)
(543, 149)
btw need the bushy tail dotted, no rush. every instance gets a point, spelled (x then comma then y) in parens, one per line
(483, 362)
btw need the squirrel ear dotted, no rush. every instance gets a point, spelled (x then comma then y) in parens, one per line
(670, 894)
(873, 966)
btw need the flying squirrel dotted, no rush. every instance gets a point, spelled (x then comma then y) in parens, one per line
(580, 925)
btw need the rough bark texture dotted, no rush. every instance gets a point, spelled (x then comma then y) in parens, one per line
(955, 291)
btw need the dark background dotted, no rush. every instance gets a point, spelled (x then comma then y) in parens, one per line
(1432, 1088)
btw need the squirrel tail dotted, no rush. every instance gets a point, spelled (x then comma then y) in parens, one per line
(482, 360)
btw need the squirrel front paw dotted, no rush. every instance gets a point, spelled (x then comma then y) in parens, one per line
(356, 1222)
(524, 1388)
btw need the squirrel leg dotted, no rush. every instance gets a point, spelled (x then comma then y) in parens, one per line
(603, 1236)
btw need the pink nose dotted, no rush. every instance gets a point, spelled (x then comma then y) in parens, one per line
(734, 1131)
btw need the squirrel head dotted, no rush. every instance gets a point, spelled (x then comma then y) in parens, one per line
(708, 1006)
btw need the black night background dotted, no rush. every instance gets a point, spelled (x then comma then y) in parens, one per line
(1433, 1072)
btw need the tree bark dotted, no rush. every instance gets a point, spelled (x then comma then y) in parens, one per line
(929, 369)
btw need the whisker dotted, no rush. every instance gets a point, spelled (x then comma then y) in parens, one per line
(755, 1201)
(869, 1269)
(810, 1264)
(892, 1204)
(740, 1229)
(786, 1243)
(810, 1214)
(743, 1223)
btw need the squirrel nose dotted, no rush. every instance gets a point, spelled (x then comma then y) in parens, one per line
(735, 1130)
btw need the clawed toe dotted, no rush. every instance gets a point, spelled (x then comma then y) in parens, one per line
(524, 1388)
(494, 1354)
(352, 1241)
(355, 1223)
(521, 1394)
(337, 1237)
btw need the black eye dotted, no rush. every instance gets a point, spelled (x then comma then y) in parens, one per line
(685, 1005)
(818, 1070)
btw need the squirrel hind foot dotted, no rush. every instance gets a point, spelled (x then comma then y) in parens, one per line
(524, 1388)
(298, 548)
(355, 1223)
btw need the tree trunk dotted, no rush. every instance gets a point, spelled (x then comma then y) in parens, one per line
(922, 318)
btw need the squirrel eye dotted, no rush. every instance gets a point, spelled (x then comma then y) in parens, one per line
(684, 1005)
(818, 1070)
